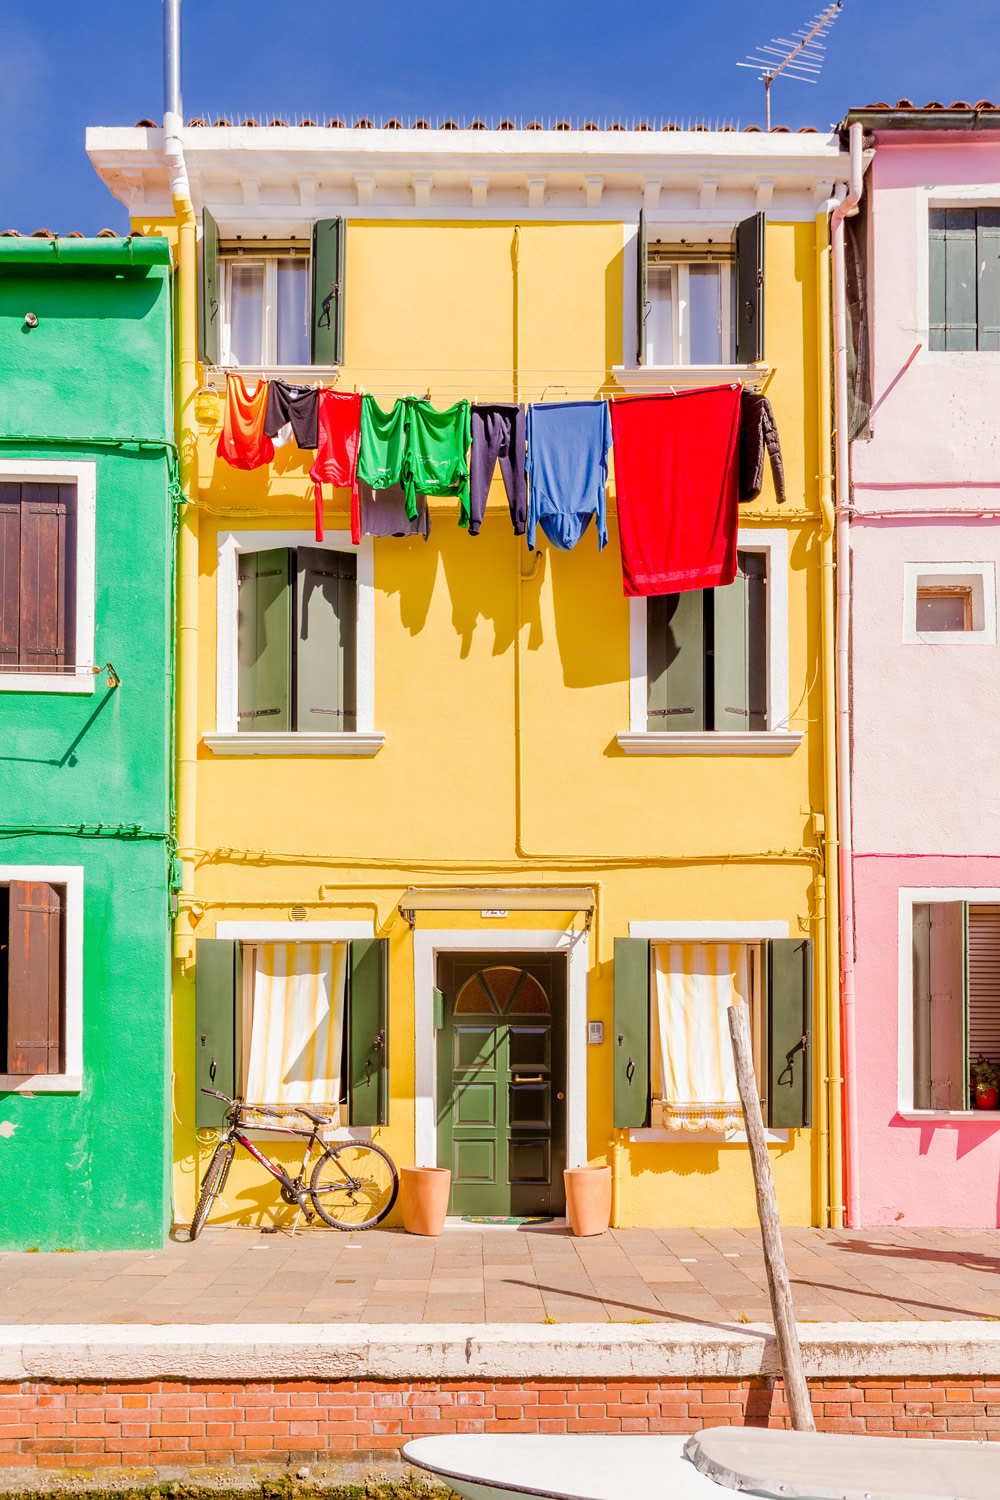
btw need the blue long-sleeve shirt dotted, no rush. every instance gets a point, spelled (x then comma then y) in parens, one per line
(568, 443)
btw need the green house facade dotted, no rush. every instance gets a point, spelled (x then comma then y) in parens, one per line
(86, 671)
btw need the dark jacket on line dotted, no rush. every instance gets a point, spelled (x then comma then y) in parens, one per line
(757, 432)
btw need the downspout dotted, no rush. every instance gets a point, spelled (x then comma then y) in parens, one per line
(830, 1145)
(187, 442)
(843, 492)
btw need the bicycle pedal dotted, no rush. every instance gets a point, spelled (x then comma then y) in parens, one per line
(309, 1218)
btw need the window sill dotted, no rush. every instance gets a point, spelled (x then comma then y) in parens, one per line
(83, 680)
(653, 1134)
(711, 742)
(689, 377)
(929, 1116)
(215, 375)
(40, 1083)
(361, 742)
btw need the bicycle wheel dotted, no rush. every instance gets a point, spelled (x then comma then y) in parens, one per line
(211, 1187)
(353, 1186)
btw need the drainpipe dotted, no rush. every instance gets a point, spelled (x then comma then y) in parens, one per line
(843, 489)
(187, 535)
(830, 1132)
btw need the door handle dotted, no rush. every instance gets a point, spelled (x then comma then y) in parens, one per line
(534, 1078)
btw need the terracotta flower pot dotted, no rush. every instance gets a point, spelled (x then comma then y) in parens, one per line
(424, 1194)
(588, 1198)
(986, 1098)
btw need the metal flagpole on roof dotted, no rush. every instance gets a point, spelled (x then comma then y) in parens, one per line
(801, 55)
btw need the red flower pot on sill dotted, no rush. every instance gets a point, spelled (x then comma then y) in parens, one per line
(986, 1098)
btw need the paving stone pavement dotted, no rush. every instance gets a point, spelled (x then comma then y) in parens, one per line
(506, 1274)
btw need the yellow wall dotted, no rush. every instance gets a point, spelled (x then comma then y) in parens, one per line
(432, 305)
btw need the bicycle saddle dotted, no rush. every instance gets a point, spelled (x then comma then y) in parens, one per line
(311, 1115)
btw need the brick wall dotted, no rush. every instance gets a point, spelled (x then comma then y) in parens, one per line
(152, 1424)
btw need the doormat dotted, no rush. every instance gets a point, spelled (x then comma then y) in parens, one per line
(500, 1219)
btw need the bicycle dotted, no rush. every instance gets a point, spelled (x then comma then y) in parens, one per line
(353, 1184)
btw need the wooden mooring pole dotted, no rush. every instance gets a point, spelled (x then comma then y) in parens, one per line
(778, 1288)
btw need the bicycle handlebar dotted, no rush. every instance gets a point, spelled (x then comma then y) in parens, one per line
(259, 1109)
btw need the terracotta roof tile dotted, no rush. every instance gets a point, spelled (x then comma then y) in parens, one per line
(365, 123)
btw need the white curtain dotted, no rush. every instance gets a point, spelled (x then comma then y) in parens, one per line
(693, 1071)
(297, 1031)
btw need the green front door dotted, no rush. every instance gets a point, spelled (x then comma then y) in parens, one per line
(502, 1082)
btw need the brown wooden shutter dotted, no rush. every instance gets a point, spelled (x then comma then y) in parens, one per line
(10, 573)
(35, 978)
(48, 575)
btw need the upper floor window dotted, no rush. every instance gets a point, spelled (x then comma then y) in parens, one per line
(700, 303)
(267, 304)
(964, 278)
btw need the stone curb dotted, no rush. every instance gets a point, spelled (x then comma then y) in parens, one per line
(516, 1351)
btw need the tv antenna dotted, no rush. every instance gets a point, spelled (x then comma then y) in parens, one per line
(802, 55)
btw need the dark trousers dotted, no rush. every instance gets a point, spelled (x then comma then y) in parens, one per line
(498, 433)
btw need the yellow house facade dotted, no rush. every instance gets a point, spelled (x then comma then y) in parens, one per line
(507, 845)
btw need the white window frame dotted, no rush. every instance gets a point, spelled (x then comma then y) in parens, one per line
(910, 896)
(227, 740)
(777, 738)
(979, 577)
(301, 932)
(680, 296)
(969, 195)
(706, 932)
(70, 1080)
(269, 342)
(84, 475)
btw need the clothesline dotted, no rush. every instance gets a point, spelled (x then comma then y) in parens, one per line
(682, 463)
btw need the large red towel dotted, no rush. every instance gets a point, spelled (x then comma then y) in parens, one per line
(337, 457)
(676, 480)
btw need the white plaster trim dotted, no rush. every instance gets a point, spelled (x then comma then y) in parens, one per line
(231, 544)
(426, 946)
(653, 378)
(980, 578)
(84, 476)
(301, 743)
(442, 1351)
(71, 1080)
(951, 1116)
(653, 1134)
(910, 896)
(777, 739)
(708, 932)
(710, 742)
(294, 932)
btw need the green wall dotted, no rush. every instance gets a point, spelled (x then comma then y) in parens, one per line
(90, 1169)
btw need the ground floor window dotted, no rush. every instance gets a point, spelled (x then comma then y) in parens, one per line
(33, 976)
(956, 999)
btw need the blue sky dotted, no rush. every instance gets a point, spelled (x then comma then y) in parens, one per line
(67, 65)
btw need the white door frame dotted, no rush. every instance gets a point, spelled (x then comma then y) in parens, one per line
(426, 947)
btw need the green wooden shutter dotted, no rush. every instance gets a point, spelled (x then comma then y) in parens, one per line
(326, 677)
(329, 246)
(209, 292)
(739, 645)
(988, 265)
(960, 278)
(264, 641)
(35, 978)
(10, 573)
(641, 289)
(218, 1007)
(749, 273)
(368, 1032)
(937, 331)
(788, 998)
(631, 1033)
(675, 661)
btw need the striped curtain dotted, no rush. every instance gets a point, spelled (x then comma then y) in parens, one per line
(693, 1071)
(297, 1031)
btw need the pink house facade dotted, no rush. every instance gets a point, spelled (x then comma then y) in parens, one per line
(925, 671)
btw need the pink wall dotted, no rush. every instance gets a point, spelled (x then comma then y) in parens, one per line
(925, 717)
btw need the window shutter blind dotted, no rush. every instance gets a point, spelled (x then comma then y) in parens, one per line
(749, 243)
(739, 666)
(209, 291)
(641, 289)
(960, 278)
(329, 246)
(938, 321)
(631, 1033)
(675, 661)
(47, 593)
(264, 641)
(988, 290)
(218, 1004)
(326, 595)
(35, 978)
(940, 1006)
(984, 982)
(788, 989)
(10, 573)
(368, 1032)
